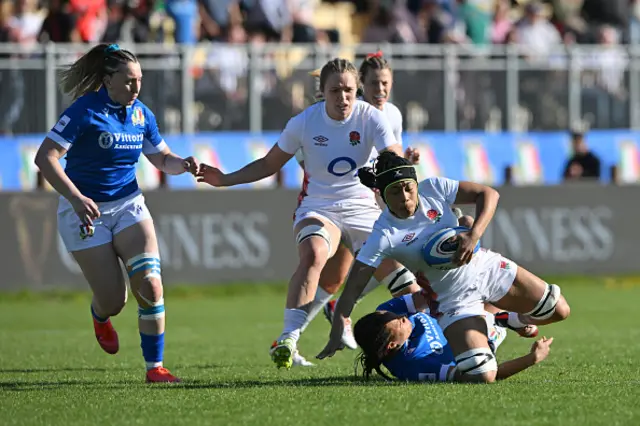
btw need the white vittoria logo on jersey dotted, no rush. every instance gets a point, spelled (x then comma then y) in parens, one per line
(105, 140)
(137, 117)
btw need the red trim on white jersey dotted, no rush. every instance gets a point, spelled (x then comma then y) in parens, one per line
(303, 192)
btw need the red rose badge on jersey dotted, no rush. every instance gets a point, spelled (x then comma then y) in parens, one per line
(434, 215)
(354, 138)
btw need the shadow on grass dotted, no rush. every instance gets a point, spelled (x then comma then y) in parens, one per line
(68, 369)
(58, 385)
(336, 381)
(24, 386)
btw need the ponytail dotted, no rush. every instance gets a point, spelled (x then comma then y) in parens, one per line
(373, 338)
(87, 73)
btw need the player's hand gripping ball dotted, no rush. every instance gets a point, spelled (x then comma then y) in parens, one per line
(439, 250)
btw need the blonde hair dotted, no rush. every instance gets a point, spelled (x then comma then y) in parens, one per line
(338, 66)
(87, 73)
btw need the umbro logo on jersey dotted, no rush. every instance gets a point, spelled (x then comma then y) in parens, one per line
(320, 140)
(408, 237)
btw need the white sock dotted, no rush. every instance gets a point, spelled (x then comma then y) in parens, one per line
(151, 365)
(514, 320)
(321, 299)
(294, 319)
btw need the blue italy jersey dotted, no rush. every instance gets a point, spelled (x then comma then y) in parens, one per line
(426, 355)
(104, 141)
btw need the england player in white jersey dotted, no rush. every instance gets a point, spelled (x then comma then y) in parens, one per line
(337, 137)
(377, 80)
(414, 213)
(376, 77)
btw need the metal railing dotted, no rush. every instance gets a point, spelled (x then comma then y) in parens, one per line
(213, 87)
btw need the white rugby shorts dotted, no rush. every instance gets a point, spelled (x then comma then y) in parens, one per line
(114, 217)
(493, 278)
(354, 218)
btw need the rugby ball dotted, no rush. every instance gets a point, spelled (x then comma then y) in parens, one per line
(439, 249)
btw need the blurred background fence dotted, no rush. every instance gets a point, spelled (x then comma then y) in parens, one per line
(242, 87)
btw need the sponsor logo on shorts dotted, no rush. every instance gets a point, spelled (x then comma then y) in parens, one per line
(87, 231)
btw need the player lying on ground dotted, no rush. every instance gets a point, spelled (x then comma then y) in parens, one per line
(413, 214)
(410, 344)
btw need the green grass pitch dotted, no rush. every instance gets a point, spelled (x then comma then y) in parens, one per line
(52, 371)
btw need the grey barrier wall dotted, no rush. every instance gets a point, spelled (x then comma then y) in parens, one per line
(212, 237)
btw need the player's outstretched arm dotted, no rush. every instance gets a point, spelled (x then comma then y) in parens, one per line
(173, 164)
(539, 352)
(359, 276)
(264, 167)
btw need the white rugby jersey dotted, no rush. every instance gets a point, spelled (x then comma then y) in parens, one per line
(394, 116)
(333, 151)
(402, 239)
(395, 119)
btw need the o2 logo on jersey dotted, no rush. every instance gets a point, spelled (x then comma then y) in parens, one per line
(342, 166)
(105, 140)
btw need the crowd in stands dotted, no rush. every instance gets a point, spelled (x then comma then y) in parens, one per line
(538, 26)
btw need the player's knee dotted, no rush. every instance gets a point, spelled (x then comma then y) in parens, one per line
(312, 261)
(317, 248)
(330, 287)
(552, 305)
(562, 310)
(146, 281)
(477, 365)
(466, 221)
(150, 298)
